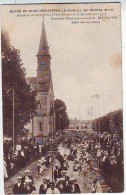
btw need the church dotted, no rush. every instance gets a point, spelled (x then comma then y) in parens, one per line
(43, 122)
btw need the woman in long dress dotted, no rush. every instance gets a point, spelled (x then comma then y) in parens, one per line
(5, 170)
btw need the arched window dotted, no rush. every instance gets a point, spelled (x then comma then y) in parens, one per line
(40, 126)
(39, 106)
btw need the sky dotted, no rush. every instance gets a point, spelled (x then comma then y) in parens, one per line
(86, 58)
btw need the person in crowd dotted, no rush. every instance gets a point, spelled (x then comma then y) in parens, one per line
(42, 169)
(74, 187)
(26, 176)
(5, 170)
(39, 167)
(22, 158)
(67, 184)
(99, 155)
(61, 185)
(27, 187)
(52, 189)
(44, 186)
(17, 186)
(9, 160)
(65, 164)
(60, 158)
(75, 169)
(57, 173)
(44, 166)
(63, 173)
(94, 186)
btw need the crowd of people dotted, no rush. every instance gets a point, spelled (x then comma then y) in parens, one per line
(27, 149)
(110, 153)
(82, 148)
(64, 181)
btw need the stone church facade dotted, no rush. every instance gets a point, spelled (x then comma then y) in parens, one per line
(43, 122)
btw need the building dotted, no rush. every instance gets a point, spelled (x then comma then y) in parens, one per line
(43, 122)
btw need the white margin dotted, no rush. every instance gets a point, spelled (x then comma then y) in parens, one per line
(123, 23)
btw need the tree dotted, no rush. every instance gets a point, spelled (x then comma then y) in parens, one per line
(13, 79)
(61, 120)
(111, 122)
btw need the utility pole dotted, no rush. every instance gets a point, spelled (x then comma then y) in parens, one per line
(13, 122)
(52, 141)
(32, 128)
(59, 121)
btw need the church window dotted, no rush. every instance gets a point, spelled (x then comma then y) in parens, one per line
(39, 105)
(40, 126)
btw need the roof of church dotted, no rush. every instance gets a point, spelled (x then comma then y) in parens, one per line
(43, 45)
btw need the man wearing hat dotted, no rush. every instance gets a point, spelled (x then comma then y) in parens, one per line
(74, 187)
(39, 167)
(75, 169)
(57, 173)
(67, 184)
(63, 173)
(17, 186)
(26, 188)
(44, 186)
(61, 185)
(27, 176)
(52, 189)
(27, 182)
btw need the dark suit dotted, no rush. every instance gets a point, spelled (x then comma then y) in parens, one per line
(24, 177)
(24, 188)
(57, 174)
(76, 189)
(67, 188)
(42, 189)
(17, 189)
(27, 189)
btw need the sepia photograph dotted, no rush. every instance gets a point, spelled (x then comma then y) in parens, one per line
(62, 98)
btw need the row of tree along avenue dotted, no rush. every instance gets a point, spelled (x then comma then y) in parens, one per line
(19, 101)
(109, 133)
(111, 123)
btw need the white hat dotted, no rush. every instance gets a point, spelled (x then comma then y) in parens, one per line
(61, 179)
(64, 171)
(19, 177)
(27, 171)
(28, 180)
(72, 179)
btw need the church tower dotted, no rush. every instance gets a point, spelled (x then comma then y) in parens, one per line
(43, 59)
(43, 121)
(45, 95)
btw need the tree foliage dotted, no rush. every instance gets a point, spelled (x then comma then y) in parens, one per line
(13, 79)
(111, 123)
(61, 119)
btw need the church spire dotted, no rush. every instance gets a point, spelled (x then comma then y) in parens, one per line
(43, 45)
